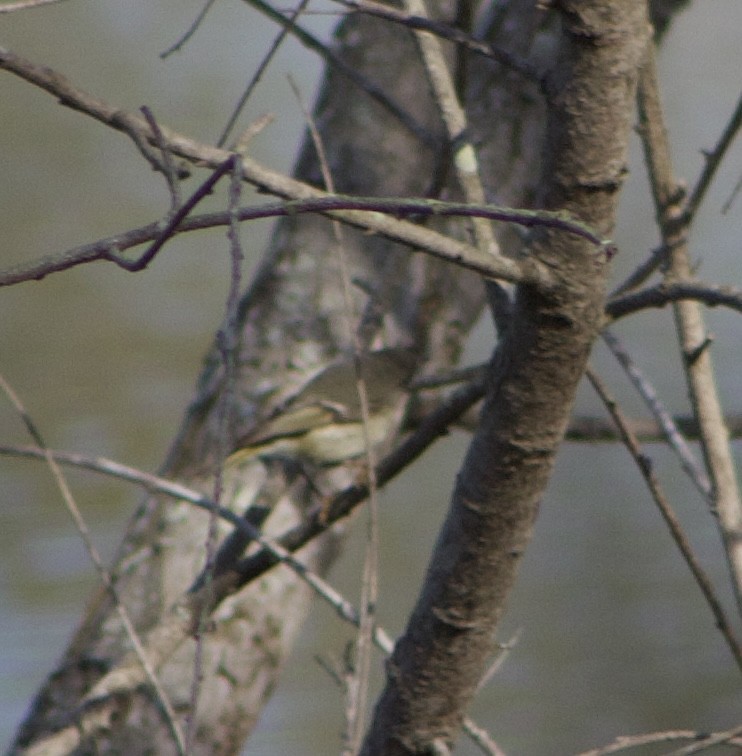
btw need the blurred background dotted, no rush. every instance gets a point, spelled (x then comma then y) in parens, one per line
(614, 637)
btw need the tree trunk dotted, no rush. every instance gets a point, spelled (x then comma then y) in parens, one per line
(439, 661)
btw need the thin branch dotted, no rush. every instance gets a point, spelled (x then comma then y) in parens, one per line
(672, 433)
(454, 118)
(642, 272)
(260, 70)
(227, 341)
(713, 161)
(464, 156)
(190, 31)
(630, 742)
(369, 213)
(644, 465)
(427, 208)
(175, 222)
(24, 5)
(709, 741)
(419, 22)
(690, 326)
(666, 292)
(171, 175)
(141, 658)
(331, 59)
(358, 680)
(684, 207)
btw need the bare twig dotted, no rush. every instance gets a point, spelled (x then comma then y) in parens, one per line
(713, 161)
(25, 4)
(190, 31)
(630, 742)
(690, 326)
(411, 20)
(709, 741)
(683, 207)
(668, 292)
(454, 118)
(227, 341)
(171, 176)
(141, 658)
(370, 213)
(203, 191)
(671, 431)
(331, 59)
(357, 681)
(503, 652)
(259, 71)
(465, 159)
(645, 468)
(730, 201)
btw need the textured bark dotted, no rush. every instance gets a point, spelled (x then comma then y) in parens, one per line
(292, 319)
(439, 661)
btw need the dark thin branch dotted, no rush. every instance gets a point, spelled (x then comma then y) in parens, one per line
(642, 271)
(489, 265)
(589, 429)
(430, 208)
(726, 207)
(175, 223)
(171, 175)
(665, 293)
(683, 209)
(670, 430)
(190, 31)
(260, 70)
(445, 31)
(644, 465)
(331, 59)
(362, 212)
(713, 161)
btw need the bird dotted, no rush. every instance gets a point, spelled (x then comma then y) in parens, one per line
(322, 424)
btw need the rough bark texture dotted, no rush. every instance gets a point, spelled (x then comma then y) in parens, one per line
(292, 319)
(439, 661)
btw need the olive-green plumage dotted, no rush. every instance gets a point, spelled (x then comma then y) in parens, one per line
(322, 421)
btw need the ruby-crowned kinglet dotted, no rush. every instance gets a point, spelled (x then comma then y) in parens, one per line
(322, 422)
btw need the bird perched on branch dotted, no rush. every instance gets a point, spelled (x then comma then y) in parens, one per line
(322, 421)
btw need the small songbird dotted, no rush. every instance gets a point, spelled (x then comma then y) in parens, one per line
(322, 422)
